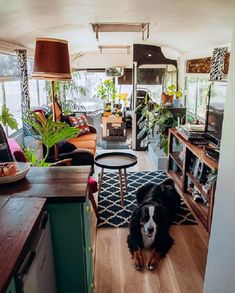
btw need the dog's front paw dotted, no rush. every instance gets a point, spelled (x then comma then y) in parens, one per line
(153, 261)
(150, 267)
(139, 266)
(138, 260)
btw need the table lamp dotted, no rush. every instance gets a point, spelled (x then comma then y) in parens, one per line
(51, 62)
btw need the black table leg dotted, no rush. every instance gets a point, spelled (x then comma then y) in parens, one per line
(125, 176)
(101, 178)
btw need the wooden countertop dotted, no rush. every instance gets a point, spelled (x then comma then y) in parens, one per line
(54, 183)
(18, 218)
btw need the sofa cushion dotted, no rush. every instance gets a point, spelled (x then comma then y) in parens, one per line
(80, 121)
(46, 110)
(88, 136)
(41, 116)
(89, 145)
(66, 147)
(16, 150)
(58, 110)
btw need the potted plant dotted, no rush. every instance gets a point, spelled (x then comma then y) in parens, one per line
(106, 90)
(154, 123)
(175, 95)
(49, 133)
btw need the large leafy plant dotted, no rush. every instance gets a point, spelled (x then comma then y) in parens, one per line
(154, 123)
(49, 133)
(173, 91)
(106, 90)
(7, 119)
(64, 88)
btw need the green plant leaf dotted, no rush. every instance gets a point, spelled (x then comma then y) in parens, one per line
(49, 133)
(7, 118)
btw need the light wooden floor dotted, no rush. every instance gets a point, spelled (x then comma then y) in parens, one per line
(182, 270)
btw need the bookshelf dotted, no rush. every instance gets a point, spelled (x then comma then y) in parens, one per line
(191, 179)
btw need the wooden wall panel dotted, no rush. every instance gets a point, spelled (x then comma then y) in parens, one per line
(203, 65)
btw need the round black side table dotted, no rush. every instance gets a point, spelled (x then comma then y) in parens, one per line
(119, 161)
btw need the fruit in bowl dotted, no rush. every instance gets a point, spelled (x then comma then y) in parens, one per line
(7, 169)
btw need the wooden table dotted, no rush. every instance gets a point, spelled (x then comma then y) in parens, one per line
(115, 161)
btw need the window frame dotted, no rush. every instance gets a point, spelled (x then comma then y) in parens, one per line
(197, 76)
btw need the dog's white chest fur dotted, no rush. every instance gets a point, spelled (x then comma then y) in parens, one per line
(148, 241)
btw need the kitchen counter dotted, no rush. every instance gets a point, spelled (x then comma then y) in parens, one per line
(18, 218)
(21, 204)
(53, 183)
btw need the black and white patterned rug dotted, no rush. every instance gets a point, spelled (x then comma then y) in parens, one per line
(112, 214)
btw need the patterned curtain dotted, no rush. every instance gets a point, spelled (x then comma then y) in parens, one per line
(24, 82)
(217, 63)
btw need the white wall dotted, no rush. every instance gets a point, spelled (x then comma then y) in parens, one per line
(220, 270)
(107, 59)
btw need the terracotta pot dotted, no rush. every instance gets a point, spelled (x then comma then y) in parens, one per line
(166, 98)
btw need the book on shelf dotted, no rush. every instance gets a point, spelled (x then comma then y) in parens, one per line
(198, 136)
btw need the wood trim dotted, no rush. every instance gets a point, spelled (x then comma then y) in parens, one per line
(203, 65)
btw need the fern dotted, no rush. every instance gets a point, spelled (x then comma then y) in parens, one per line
(49, 133)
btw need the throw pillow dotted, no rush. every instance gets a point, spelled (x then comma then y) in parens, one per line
(46, 110)
(80, 121)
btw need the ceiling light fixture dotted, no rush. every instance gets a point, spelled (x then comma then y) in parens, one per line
(121, 27)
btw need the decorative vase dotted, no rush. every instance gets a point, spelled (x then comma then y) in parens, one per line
(176, 103)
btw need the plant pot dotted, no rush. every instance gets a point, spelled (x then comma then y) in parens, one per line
(108, 107)
(177, 103)
(166, 98)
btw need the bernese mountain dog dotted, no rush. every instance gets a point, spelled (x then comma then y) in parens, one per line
(150, 222)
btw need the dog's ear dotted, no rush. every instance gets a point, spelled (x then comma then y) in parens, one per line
(164, 217)
(135, 219)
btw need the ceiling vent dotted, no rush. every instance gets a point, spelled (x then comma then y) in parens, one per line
(121, 27)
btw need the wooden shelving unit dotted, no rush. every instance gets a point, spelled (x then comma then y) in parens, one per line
(179, 171)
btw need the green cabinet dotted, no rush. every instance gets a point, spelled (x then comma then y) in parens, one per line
(11, 288)
(70, 227)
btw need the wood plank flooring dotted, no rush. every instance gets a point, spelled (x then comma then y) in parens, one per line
(181, 271)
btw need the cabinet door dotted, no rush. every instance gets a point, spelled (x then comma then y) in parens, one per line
(67, 227)
(11, 288)
(87, 245)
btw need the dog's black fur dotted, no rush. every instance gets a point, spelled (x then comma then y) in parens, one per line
(166, 202)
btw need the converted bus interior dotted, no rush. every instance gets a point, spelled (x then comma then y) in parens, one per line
(97, 100)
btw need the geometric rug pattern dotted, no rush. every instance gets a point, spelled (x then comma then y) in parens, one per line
(112, 214)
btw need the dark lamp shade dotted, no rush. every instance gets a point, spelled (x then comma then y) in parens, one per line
(51, 60)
